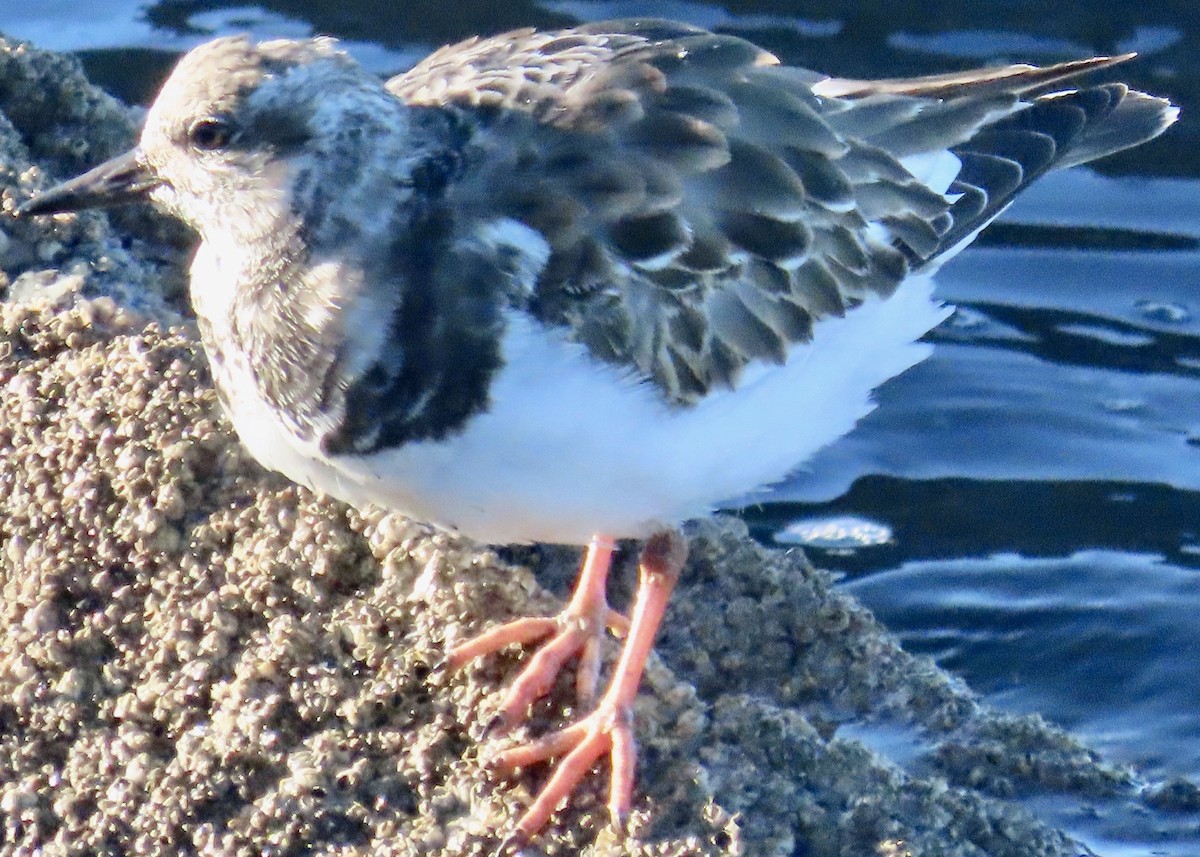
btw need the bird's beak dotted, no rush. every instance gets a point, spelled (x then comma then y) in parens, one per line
(123, 179)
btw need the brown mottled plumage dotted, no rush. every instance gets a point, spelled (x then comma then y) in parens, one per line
(705, 205)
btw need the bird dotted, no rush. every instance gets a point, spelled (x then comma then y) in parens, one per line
(577, 286)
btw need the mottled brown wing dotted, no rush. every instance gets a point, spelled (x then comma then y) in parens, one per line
(703, 206)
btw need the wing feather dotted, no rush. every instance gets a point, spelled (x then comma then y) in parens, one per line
(705, 206)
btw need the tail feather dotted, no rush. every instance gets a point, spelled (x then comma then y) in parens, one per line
(1136, 118)
(1053, 131)
(1004, 133)
(1019, 79)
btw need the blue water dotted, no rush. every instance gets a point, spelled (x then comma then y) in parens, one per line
(1028, 500)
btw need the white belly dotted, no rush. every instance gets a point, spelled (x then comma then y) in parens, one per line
(570, 448)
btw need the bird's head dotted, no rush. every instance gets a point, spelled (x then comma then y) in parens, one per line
(243, 135)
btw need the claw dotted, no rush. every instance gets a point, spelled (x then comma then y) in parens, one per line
(512, 845)
(496, 726)
(439, 668)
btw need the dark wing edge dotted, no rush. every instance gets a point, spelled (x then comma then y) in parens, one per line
(1054, 131)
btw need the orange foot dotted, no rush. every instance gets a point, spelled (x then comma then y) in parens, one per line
(578, 630)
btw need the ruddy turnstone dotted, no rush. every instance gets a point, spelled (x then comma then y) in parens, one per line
(577, 286)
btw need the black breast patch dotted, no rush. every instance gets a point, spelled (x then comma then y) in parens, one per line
(436, 368)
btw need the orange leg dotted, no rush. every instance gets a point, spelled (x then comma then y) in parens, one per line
(608, 728)
(577, 630)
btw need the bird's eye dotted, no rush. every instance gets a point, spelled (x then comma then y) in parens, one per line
(210, 133)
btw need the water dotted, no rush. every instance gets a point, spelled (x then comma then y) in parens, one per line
(1025, 506)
